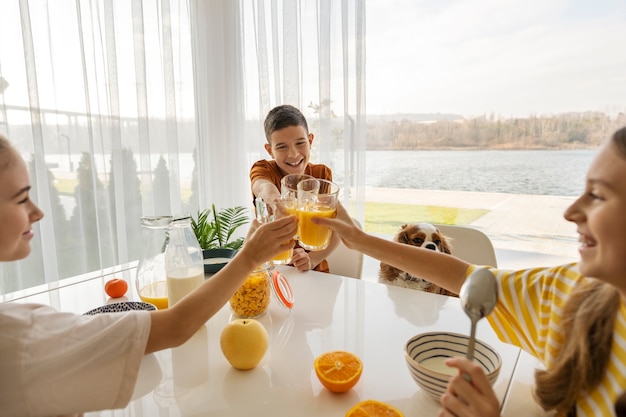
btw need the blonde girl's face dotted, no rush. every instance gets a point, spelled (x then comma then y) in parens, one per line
(17, 211)
(291, 149)
(600, 216)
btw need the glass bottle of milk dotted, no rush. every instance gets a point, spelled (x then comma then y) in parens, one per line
(184, 264)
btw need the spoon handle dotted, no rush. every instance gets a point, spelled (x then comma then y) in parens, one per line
(470, 348)
(470, 342)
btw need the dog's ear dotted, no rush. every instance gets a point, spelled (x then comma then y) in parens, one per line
(446, 245)
(388, 272)
(402, 237)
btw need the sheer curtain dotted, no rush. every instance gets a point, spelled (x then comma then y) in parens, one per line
(250, 56)
(130, 108)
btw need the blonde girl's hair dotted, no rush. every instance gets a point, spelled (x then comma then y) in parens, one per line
(588, 323)
(5, 145)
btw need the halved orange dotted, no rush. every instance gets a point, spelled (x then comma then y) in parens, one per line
(373, 408)
(338, 370)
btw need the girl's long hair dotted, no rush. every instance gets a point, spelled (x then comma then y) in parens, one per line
(588, 323)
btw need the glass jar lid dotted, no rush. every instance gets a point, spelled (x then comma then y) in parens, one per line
(282, 289)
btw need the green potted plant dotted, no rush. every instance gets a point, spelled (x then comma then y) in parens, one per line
(214, 230)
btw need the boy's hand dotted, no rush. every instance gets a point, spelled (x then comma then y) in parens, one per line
(301, 260)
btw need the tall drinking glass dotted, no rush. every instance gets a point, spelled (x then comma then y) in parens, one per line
(273, 208)
(289, 184)
(316, 198)
(289, 188)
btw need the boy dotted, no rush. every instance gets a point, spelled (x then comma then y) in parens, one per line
(289, 144)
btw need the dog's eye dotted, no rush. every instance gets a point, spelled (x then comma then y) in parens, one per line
(418, 240)
(437, 242)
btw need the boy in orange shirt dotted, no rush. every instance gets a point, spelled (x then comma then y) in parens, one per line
(289, 144)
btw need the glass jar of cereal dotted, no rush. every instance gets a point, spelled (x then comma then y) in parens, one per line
(253, 298)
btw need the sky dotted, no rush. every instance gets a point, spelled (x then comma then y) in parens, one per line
(512, 58)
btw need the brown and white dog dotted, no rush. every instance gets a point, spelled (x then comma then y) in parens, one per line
(424, 235)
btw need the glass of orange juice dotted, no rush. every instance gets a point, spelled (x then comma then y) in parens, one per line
(316, 198)
(289, 189)
(273, 208)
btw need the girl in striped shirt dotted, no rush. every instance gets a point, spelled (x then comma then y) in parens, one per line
(572, 317)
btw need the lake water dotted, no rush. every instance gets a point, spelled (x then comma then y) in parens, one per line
(540, 172)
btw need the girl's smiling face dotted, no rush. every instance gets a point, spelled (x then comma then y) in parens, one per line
(600, 216)
(17, 211)
(291, 149)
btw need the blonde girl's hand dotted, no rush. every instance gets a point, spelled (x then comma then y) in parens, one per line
(342, 224)
(264, 241)
(469, 399)
(301, 260)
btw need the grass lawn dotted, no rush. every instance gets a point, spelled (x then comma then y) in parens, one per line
(386, 218)
(65, 186)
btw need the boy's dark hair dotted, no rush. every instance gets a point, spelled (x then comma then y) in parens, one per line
(281, 117)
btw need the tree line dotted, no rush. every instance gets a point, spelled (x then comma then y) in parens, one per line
(563, 131)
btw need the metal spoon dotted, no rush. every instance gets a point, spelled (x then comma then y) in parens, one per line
(479, 295)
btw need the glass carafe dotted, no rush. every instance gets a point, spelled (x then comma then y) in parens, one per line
(184, 263)
(150, 282)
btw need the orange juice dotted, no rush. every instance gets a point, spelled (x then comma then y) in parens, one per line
(283, 258)
(293, 211)
(312, 236)
(155, 294)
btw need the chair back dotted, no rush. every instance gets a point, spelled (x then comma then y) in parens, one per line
(470, 244)
(345, 261)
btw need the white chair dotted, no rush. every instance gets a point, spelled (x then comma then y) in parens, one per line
(345, 261)
(470, 244)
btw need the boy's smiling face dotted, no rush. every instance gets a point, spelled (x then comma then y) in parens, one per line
(291, 149)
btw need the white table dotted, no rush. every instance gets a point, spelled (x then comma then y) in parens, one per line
(331, 312)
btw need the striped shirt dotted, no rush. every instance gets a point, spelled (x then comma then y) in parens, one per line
(528, 315)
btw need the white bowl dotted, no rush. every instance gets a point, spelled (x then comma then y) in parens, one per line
(425, 353)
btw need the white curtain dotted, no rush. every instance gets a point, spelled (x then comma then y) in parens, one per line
(130, 108)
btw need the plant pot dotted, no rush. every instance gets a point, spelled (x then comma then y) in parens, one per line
(216, 259)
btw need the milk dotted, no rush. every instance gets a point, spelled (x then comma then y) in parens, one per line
(181, 282)
(437, 364)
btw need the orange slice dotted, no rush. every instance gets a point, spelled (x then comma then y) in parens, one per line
(373, 408)
(339, 370)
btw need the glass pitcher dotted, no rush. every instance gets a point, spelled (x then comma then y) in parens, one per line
(150, 282)
(184, 263)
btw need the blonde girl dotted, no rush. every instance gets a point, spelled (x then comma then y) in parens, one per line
(572, 317)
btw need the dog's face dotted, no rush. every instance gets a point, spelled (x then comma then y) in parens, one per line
(424, 235)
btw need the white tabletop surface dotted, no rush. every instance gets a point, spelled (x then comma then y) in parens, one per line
(330, 312)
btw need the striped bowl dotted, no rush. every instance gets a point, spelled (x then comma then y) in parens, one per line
(425, 353)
